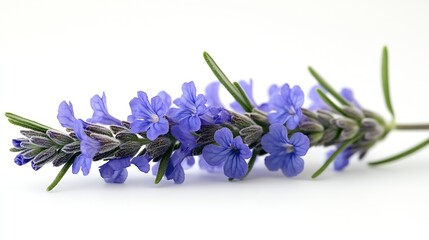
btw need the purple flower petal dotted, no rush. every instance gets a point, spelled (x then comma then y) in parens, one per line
(142, 163)
(66, 115)
(293, 165)
(101, 114)
(235, 167)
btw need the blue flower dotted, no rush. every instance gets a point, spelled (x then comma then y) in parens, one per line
(188, 142)
(212, 95)
(215, 115)
(229, 151)
(166, 99)
(191, 107)
(142, 163)
(88, 147)
(273, 89)
(187, 163)
(285, 153)
(66, 115)
(286, 106)
(101, 114)
(202, 163)
(347, 93)
(342, 159)
(115, 171)
(148, 116)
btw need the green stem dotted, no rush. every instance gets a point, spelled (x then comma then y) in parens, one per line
(60, 175)
(26, 123)
(411, 126)
(334, 155)
(252, 160)
(402, 154)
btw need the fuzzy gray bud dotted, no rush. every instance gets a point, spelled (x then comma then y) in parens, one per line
(315, 137)
(206, 134)
(259, 118)
(251, 134)
(310, 126)
(343, 122)
(348, 133)
(31, 133)
(126, 136)
(61, 158)
(99, 130)
(73, 147)
(329, 135)
(59, 137)
(369, 123)
(128, 149)
(324, 117)
(158, 147)
(44, 156)
(117, 129)
(309, 113)
(353, 112)
(31, 153)
(43, 142)
(240, 121)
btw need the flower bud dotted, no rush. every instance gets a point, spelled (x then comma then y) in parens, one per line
(353, 112)
(240, 121)
(251, 134)
(71, 147)
(315, 137)
(348, 133)
(329, 135)
(61, 158)
(309, 113)
(59, 137)
(44, 156)
(42, 142)
(324, 117)
(128, 149)
(158, 147)
(99, 129)
(310, 126)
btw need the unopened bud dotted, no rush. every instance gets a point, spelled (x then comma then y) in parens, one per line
(251, 134)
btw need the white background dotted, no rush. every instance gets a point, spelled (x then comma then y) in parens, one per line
(53, 50)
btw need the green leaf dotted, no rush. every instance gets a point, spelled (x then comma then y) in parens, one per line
(164, 163)
(402, 154)
(61, 174)
(225, 82)
(325, 85)
(26, 123)
(385, 80)
(334, 155)
(330, 102)
(244, 95)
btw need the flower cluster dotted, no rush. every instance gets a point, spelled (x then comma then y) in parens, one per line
(166, 136)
